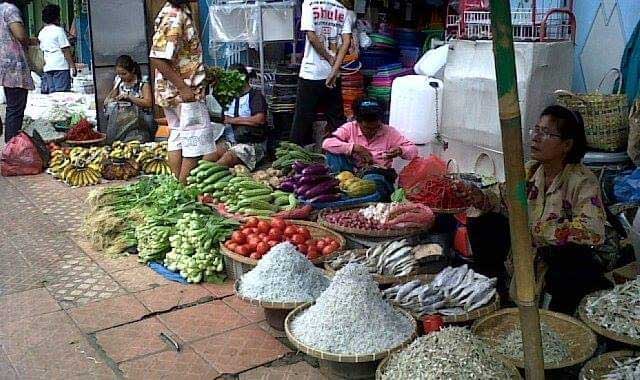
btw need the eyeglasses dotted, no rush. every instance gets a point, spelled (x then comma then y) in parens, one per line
(537, 130)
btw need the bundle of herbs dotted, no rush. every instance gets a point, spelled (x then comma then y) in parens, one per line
(225, 84)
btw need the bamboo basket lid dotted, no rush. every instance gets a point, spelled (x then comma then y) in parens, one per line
(580, 340)
(601, 365)
(600, 330)
(342, 358)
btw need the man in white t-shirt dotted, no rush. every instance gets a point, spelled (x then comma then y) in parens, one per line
(328, 29)
(58, 62)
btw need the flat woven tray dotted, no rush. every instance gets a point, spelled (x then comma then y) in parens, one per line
(492, 306)
(315, 230)
(582, 314)
(580, 340)
(266, 304)
(601, 365)
(341, 358)
(399, 232)
(88, 142)
(515, 374)
(379, 278)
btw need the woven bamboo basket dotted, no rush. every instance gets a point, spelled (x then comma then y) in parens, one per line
(492, 306)
(605, 116)
(342, 358)
(237, 265)
(601, 365)
(580, 340)
(582, 314)
(390, 233)
(379, 278)
(515, 374)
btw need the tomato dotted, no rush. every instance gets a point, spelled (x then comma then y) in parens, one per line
(313, 253)
(297, 239)
(327, 250)
(246, 231)
(233, 246)
(252, 222)
(304, 232)
(275, 233)
(226, 243)
(262, 248)
(263, 226)
(262, 235)
(271, 243)
(303, 248)
(321, 244)
(238, 237)
(278, 223)
(253, 239)
(290, 231)
(255, 256)
(252, 247)
(242, 250)
(334, 245)
(254, 230)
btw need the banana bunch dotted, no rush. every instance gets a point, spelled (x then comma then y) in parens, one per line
(129, 150)
(98, 156)
(81, 176)
(153, 159)
(357, 187)
(59, 161)
(117, 153)
(156, 166)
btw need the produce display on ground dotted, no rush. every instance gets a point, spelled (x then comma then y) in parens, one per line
(283, 275)
(355, 187)
(554, 348)
(451, 353)
(617, 310)
(288, 153)
(454, 291)
(351, 318)
(624, 370)
(63, 118)
(257, 236)
(270, 177)
(440, 192)
(195, 247)
(383, 216)
(393, 258)
(312, 182)
(83, 131)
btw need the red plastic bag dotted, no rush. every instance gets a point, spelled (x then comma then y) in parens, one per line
(420, 168)
(21, 157)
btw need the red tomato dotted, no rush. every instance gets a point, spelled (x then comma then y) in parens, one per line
(278, 223)
(246, 231)
(290, 231)
(253, 239)
(233, 246)
(327, 250)
(303, 248)
(271, 243)
(252, 247)
(238, 237)
(263, 226)
(298, 239)
(252, 222)
(334, 245)
(227, 243)
(304, 232)
(321, 244)
(262, 248)
(255, 256)
(262, 235)
(275, 233)
(313, 253)
(242, 251)
(254, 230)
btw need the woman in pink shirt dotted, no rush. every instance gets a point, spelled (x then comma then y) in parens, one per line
(368, 146)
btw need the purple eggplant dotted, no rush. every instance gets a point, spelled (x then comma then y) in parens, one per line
(301, 189)
(299, 166)
(287, 185)
(311, 179)
(327, 187)
(325, 198)
(316, 169)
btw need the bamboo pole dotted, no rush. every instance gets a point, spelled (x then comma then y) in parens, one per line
(510, 125)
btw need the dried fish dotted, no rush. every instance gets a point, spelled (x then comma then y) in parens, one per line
(351, 318)
(625, 370)
(554, 348)
(284, 275)
(453, 291)
(618, 309)
(390, 259)
(450, 354)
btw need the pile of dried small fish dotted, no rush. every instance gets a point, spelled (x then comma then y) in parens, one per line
(626, 370)
(351, 318)
(389, 259)
(453, 291)
(284, 275)
(554, 348)
(451, 353)
(618, 309)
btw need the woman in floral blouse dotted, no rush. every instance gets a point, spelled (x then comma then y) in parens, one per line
(566, 215)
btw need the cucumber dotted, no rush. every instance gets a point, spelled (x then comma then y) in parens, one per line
(251, 211)
(235, 180)
(218, 194)
(208, 189)
(220, 185)
(255, 192)
(282, 200)
(215, 177)
(205, 163)
(250, 185)
(224, 199)
(263, 198)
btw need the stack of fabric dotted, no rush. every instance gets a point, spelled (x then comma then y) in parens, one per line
(382, 52)
(352, 89)
(380, 87)
(410, 44)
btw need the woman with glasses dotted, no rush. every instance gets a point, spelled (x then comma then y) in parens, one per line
(566, 215)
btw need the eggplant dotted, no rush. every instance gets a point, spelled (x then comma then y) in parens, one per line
(299, 166)
(312, 179)
(288, 186)
(316, 169)
(327, 187)
(301, 189)
(326, 198)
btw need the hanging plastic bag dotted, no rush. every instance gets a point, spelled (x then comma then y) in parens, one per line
(20, 157)
(192, 116)
(626, 186)
(419, 168)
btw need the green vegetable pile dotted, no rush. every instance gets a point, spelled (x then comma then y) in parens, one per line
(287, 153)
(226, 84)
(195, 247)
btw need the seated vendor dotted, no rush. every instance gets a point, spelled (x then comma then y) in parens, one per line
(566, 215)
(368, 146)
(247, 116)
(130, 97)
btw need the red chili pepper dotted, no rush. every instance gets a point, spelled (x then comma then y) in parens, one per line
(83, 131)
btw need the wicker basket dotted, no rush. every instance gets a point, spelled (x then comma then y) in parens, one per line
(580, 340)
(600, 366)
(582, 314)
(605, 116)
(342, 358)
(391, 233)
(492, 306)
(237, 265)
(515, 374)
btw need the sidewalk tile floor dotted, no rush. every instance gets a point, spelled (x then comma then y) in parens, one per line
(169, 365)
(133, 340)
(108, 313)
(297, 371)
(173, 295)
